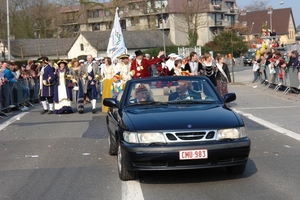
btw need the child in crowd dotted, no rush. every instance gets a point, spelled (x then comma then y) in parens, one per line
(116, 86)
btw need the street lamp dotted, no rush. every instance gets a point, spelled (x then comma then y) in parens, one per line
(270, 11)
(162, 22)
(8, 33)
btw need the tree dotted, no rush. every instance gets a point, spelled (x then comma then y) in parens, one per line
(227, 42)
(28, 17)
(3, 19)
(191, 19)
(257, 5)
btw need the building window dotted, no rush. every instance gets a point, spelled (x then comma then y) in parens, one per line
(107, 13)
(121, 13)
(90, 14)
(132, 6)
(219, 16)
(81, 47)
(108, 25)
(244, 23)
(96, 27)
(96, 13)
(123, 24)
(132, 21)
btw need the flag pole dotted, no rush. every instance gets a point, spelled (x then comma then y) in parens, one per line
(116, 44)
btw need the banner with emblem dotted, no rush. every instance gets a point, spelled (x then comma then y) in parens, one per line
(116, 44)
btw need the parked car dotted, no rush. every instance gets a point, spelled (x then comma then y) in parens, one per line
(184, 125)
(248, 60)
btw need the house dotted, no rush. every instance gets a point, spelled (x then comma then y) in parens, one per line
(31, 49)
(86, 42)
(212, 17)
(280, 20)
(95, 43)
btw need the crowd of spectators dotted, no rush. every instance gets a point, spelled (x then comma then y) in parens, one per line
(18, 84)
(272, 64)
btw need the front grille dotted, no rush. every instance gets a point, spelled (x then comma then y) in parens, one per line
(190, 136)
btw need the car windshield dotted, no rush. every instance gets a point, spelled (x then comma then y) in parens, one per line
(181, 90)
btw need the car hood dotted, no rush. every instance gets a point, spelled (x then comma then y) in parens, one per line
(213, 117)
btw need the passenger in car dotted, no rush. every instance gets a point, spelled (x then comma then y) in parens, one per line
(142, 94)
(183, 92)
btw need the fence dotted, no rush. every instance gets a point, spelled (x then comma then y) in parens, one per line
(185, 51)
(16, 95)
(289, 81)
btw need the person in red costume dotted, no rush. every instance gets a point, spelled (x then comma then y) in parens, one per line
(139, 66)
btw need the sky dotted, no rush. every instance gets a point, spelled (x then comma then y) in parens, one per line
(294, 4)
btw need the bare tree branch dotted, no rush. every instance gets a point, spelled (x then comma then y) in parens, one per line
(257, 5)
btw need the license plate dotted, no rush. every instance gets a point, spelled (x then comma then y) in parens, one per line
(193, 154)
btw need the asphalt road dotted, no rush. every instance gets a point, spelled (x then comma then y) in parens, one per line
(66, 156)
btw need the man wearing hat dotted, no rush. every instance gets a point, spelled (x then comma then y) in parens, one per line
(124, 68)
(47, 80)
(139, 66)
(142, 93)
(92, 77)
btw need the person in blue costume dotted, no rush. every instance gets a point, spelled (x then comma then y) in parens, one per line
(92, 77)
(47, 81)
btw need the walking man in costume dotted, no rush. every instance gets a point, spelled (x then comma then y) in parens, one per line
(92, 77)
(47, 80)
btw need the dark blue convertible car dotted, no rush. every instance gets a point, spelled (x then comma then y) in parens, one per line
(174, 123)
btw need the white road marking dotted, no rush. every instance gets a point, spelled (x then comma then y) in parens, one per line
(270, 107)
(132, 190)
(270, 125)
(12, 120)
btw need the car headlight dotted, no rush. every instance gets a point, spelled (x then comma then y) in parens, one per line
(232, 133)
(151, 138)
(130, 137)
(144, 138)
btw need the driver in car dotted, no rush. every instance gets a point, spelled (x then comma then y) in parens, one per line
(142, 94)
(183, 92)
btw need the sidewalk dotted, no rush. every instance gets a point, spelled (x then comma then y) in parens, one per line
(264, 104)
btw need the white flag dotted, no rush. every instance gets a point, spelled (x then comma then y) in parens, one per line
(116, 44)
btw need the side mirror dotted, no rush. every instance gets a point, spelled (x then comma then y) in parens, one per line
(110, 102)
(229, 97)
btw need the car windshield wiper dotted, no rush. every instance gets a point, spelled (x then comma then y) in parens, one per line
(149, 103)
(190, 102)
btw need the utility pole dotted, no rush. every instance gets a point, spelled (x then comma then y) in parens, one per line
(8, 33)
(162, 22)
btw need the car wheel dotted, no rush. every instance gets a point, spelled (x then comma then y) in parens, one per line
(112, 146)
(238, 169)
(124, 174)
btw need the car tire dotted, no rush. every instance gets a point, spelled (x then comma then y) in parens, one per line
(124, 174)
(113, 149)
(237, 169)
